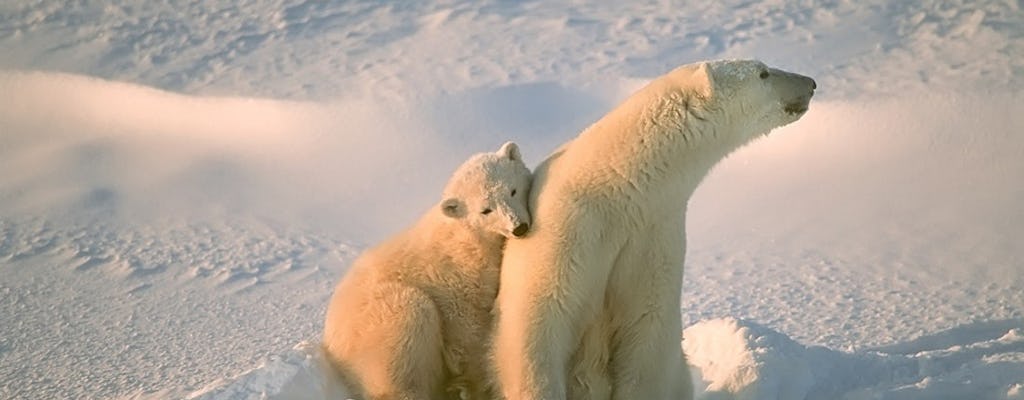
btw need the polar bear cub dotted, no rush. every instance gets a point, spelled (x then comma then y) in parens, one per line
(412, 318)
(598, 315)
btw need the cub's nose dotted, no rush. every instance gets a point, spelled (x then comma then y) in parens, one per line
(521, 229)
(814, 85)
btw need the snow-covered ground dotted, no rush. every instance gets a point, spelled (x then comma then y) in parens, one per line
(182, 184)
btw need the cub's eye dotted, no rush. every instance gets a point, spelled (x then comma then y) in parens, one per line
(513, 193)
(764, 74)
(486, 211)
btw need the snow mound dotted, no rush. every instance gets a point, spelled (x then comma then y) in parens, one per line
(301, 373)
(740, 360)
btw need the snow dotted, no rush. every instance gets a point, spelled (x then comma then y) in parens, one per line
(182, 184)
(301, 373)
(737, 359)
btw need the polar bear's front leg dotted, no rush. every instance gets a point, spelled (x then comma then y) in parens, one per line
(647, 360)
(552, 287)
(651, 365)
(531, 343)
(399, 356)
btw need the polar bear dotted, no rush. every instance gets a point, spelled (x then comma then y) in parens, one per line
(589, 306)
(412, 317)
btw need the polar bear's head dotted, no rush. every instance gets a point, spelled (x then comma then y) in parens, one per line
(743, 98)
(490, 192)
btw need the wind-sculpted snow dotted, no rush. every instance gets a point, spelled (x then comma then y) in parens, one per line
(78, 146)
(309, 49)
(127, 306)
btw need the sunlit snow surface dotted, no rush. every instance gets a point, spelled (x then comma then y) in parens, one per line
(181, 185)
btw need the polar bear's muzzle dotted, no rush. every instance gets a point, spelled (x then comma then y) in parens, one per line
(794, 89)
(797, 108)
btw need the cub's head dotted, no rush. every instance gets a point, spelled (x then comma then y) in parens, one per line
(745, 97)
(490, 191)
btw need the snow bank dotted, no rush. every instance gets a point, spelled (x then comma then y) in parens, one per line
(741, 360)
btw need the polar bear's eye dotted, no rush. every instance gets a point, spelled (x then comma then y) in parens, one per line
(513, 193)
(764, 74)
(486, 211)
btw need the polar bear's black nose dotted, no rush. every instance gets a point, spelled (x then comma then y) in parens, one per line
(814, 85)
(521, 229)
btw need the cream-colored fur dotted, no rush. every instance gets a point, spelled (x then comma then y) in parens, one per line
(589, 306)
(412, 318)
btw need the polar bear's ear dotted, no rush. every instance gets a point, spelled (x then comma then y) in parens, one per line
(703, 82)
(453, 208)
(510, 150)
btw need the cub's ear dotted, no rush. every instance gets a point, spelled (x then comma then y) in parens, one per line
(510, 150)
(453, 208)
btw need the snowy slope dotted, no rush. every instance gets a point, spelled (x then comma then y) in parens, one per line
(182, 184)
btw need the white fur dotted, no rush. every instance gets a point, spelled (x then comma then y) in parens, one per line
(589, 306)
(411, 318)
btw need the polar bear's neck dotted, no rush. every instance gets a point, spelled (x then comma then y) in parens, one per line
(657, 142)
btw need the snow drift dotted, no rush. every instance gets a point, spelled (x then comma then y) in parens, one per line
(76, 145)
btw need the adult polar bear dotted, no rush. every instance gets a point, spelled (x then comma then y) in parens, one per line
(589, 305)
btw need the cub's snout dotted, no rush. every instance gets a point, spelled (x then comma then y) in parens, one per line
(521, 230)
